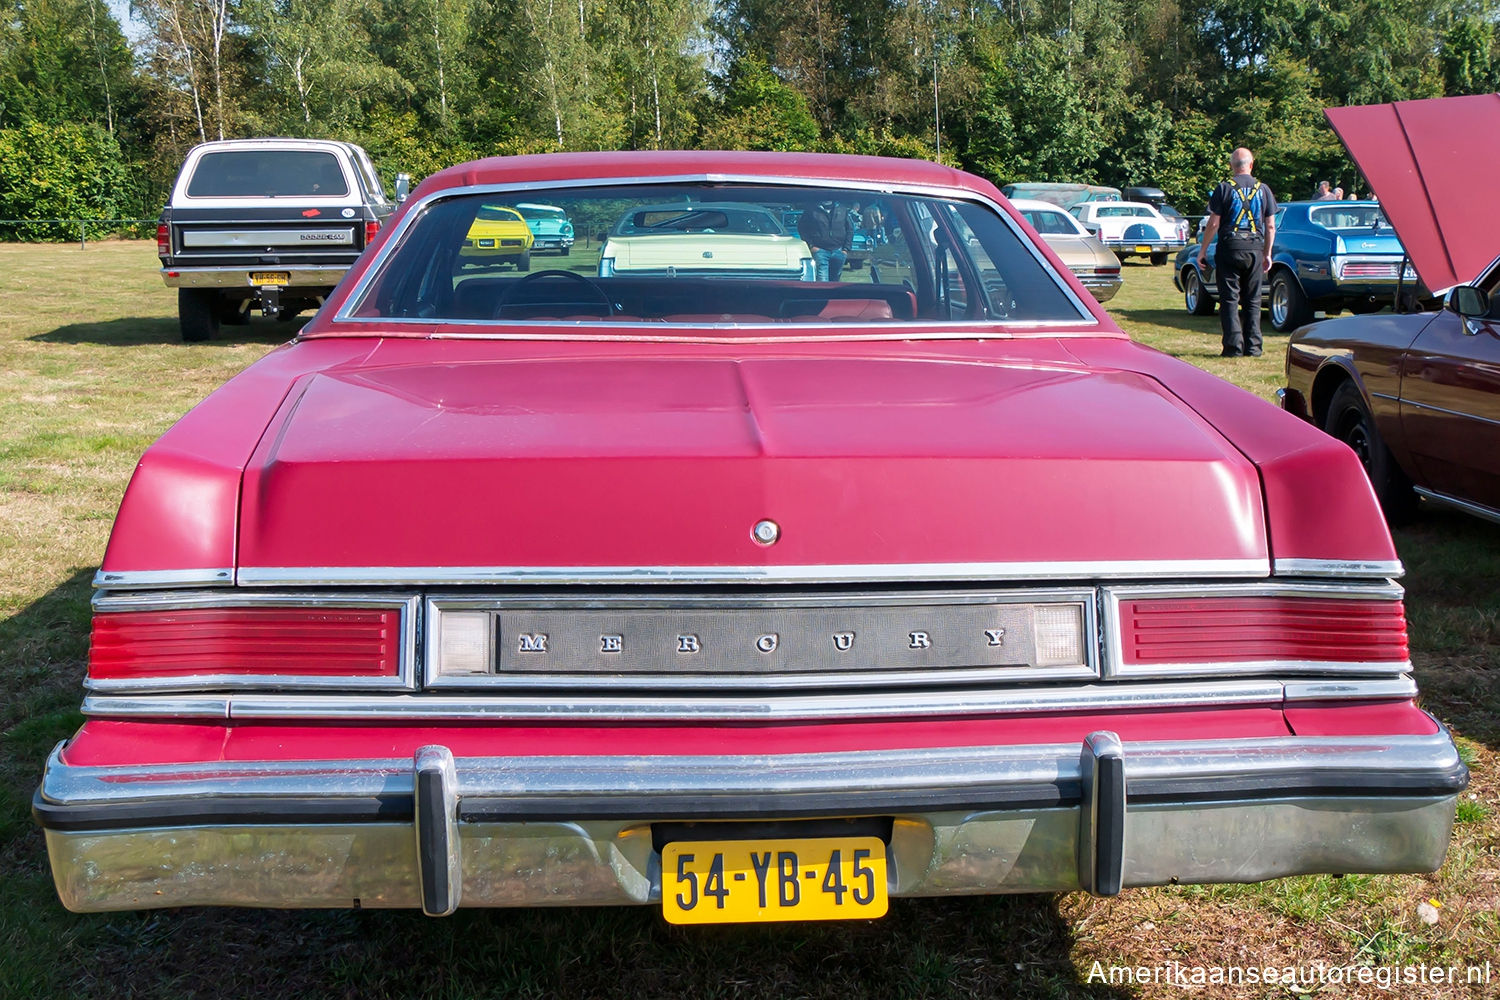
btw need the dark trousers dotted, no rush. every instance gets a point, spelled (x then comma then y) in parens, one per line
(1237, 272)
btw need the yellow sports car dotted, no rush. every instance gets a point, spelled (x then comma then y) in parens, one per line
(498, 236)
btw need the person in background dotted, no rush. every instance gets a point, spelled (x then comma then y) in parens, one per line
(1324, 193)
(828, 232)
(1242, 211)
(1338, 194)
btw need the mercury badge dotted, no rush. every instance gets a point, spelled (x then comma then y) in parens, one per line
(766, 532)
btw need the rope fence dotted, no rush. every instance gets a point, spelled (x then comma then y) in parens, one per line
(10, 229)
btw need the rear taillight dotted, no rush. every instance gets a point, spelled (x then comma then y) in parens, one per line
(258, 641)
(372, 228)
(163, 241)
(1261, 629)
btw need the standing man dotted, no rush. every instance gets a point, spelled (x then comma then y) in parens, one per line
(1242, 211)
(1324, 193)
(826, 229)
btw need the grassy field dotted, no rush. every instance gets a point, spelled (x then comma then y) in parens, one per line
(91, 371)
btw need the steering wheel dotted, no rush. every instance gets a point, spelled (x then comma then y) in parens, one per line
(504, 301)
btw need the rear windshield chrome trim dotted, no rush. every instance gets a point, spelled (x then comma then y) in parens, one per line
(418, 208)
(405, 678)
(746, 707)
(377, 576)
(1114, 651)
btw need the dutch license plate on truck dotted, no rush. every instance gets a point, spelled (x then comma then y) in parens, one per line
(760, 881)
(264, 279)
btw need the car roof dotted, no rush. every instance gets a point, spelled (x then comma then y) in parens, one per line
(1034, 205)
(658, 165)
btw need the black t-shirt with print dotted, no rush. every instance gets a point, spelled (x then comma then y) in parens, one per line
(1226, 206)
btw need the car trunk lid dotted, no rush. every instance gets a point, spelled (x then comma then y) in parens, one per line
(947, 468)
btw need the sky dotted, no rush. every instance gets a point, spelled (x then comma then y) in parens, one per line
(133, 29)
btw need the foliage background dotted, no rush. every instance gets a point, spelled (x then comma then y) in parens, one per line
(1112, 91)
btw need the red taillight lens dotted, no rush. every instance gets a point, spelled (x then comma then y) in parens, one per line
(339, 642)
(372, 227)
(1246, 629)
(163, 241)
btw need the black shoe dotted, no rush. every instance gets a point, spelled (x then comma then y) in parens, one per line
(1252, 354)
(1229, 354)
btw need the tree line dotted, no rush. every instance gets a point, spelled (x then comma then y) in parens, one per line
(1104, 91)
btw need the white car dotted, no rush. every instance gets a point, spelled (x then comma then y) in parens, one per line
(1131, 228)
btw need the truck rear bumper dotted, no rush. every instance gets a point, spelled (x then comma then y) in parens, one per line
(440, 832)
(298, 276)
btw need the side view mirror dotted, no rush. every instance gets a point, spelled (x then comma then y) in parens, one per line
(403, 187)
(1466, 300)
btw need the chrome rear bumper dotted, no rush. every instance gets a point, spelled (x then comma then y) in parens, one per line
(440, 833)
(298, 276)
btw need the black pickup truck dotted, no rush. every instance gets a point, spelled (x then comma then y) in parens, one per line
(268, 224)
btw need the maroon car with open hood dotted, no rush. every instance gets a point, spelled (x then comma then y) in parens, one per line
(1416, 394)
(747, 596)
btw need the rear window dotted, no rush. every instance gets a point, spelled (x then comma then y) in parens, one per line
(1121, 212)
(542, 212)
(267, 173)
(1349, 217)
(722, 253)
(1050, 223)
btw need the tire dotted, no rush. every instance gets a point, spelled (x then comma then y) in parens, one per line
(1194, 297)
(564, 251)
(1289, 308)
(1158, 259)
(1350, 420)
(198, 314)
(234, 312)
(1364, 306)
(523, 262)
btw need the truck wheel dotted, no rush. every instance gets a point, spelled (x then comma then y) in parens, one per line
(1194, 297)
(1158, 259)
(198, 313)
(234, 312)
(1289, 308)
(1350, 420)
(523, 262)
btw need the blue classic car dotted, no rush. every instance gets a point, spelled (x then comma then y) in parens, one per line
(550, 227)
(1328, 256)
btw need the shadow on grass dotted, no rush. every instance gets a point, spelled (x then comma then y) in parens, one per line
(1176, 319)
(973, 947)
(1452, 586)
(135, 331)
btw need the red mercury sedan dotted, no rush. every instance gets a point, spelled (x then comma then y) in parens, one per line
(744, 597)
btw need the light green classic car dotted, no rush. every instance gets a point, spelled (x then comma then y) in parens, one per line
(697, 238)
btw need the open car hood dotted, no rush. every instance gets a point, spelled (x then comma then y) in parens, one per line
(1431, 164)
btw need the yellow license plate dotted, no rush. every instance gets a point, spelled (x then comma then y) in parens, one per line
(760, 881)
(263, 278)
(1142, 249)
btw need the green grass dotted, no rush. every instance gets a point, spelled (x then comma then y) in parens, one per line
(91, 371)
